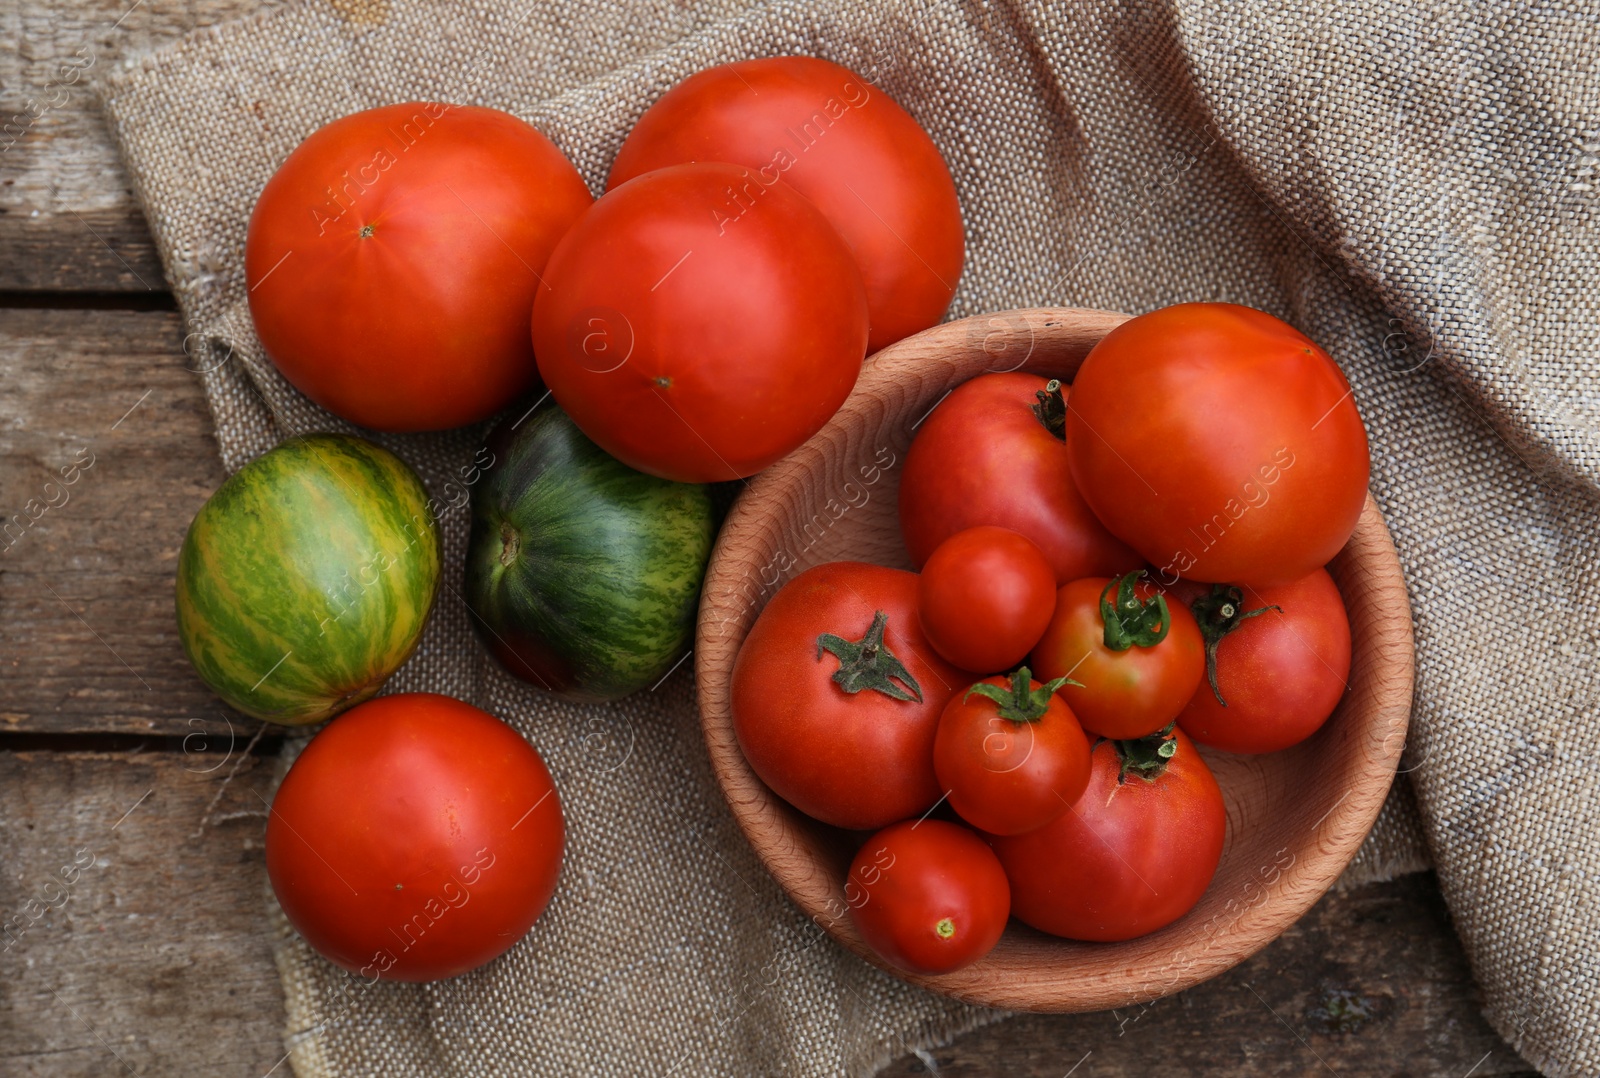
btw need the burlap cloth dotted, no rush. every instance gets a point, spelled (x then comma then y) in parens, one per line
(1412, 186)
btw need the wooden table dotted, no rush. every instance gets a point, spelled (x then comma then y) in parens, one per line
(121, 773)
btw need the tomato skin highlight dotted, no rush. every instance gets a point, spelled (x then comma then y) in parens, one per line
(983, 457)
(1124, 860)
(1005, 777)
(1123, 694)
(929, 897)
(861, 760)
(693, 350)
(985, 596)
(415, 838)
(1220, 442)
(1282, 672)
(842, 143)
(392, 261)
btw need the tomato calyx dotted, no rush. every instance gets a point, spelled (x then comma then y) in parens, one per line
(1148, 756)
(1020, 701)
(1051, 410)
(869, 664)
(1219, 613)
(1130, 620)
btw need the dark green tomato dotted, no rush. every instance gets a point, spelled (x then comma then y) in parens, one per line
(583, 574)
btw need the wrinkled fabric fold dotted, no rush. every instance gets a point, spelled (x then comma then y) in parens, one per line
(1411, 186)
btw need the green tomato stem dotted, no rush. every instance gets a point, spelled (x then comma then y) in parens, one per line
(1020, 701)
(869, 664)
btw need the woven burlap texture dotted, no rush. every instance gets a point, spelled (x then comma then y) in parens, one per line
(1412, 186)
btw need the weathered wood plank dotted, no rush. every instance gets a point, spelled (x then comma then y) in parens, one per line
(100, 251)
(68, 216)
(87, 637)
(127, 942)
(1372, 982)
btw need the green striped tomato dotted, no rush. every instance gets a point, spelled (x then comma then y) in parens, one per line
(306, 579)
(584, 574)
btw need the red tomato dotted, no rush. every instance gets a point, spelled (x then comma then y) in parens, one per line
(697, 350)
(842, 143)
(1134, 659)
(1220, 442)
(928, 896)
(415, 838)
(1280, 658)
(1011, 754)
(837, 695)
(392, 261)
(986, 595)
(986, 455)
(1130, 857)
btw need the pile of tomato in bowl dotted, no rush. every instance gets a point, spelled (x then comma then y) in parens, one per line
(1120, 589)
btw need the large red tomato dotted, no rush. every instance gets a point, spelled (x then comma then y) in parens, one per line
(845, 145)
(928, 896)
(701, 322)
(1132, 855)
(1279, 656)
(392, 261)
(837, 696)
(1133, 658)
(1011, 754)
(415, 838)
(1220, 442)
(992, 453)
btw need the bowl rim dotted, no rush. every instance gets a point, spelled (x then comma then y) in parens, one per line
(1049, 340)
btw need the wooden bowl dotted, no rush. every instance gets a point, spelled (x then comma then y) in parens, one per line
(1295, 818)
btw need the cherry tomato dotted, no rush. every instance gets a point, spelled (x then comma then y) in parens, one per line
(392, 261)
(701, 322)
(1219, 442)
(845, 145)
(1132, 855)
(1279, 656)
(415, 838)
(1011, 754)
(987, 455)
(986, 595)
(837, 696)
(928, 896)
(1134, 659)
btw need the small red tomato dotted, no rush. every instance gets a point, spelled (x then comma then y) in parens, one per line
(415, 838)
(836, 696)
(1133, 855)
(1011, 754)
(986, 595)
(928, 896)
(992, 453)
(1279, 656)
(1134, 659)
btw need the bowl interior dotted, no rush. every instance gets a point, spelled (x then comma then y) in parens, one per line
(1295, 818)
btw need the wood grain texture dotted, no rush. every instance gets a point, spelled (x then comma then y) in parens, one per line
(128, 943)
(88, 640)
(69, 218)
(1295, 817)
